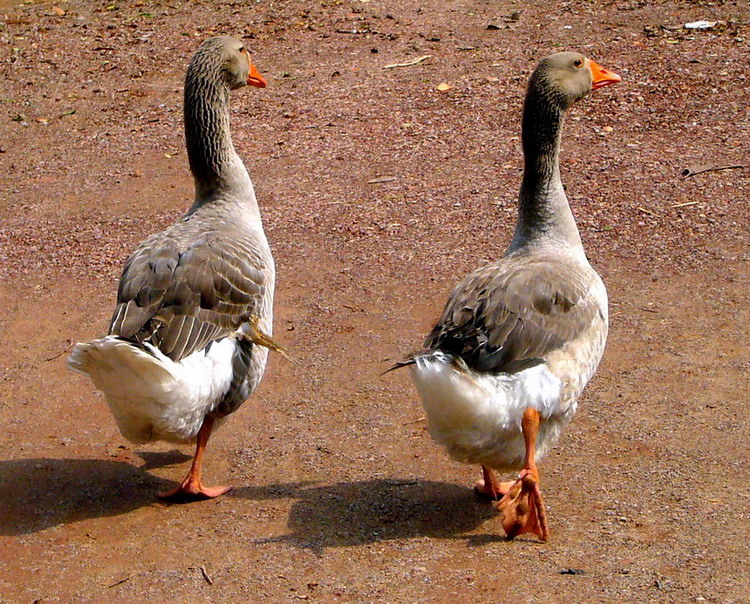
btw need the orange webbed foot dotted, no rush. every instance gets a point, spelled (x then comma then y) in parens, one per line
(490, 487)
(491, 491)
(523, 508)
(192, 491)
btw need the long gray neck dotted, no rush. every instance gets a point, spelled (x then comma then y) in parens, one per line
(216, 167)
(544, 215)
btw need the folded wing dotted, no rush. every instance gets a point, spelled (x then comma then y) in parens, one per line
(182, 297)
(508, 316)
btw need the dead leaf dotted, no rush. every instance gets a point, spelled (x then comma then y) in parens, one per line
(58, 11)
(444, 87)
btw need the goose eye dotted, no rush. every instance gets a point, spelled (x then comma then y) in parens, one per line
(578, 63)
(242, 49)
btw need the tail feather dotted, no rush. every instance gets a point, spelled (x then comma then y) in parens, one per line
(410, 360)
(132, 379)
(432, 355)
(151, 396)
(107, 359)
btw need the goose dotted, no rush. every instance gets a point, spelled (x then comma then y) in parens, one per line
(519, 339)
(189, 337)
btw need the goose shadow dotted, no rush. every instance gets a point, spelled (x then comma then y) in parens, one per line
(360, 513)
(40, 493)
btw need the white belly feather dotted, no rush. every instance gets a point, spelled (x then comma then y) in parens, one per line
(477, 416)
(151, 396)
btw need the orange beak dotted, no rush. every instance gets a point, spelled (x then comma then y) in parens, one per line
(602, 77)
(254, 78)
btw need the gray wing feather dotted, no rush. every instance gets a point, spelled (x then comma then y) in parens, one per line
(509, 315)
(182, 297)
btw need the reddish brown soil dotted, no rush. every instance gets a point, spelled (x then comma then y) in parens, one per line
(340, 493)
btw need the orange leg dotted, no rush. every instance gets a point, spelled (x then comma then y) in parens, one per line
(523, 506)
(191, 488)
(490, 486)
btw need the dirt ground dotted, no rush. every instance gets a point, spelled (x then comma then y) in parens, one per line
(340, 495)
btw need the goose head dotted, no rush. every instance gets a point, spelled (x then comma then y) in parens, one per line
(237, 68)
(228, 60)
(567, 77)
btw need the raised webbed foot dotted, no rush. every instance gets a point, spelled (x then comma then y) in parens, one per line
(523, 507)
(490, 487)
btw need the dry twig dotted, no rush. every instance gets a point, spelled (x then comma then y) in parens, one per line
(416, 61)
(647, 309)
(257, 336)
(59, 354)
(354, 308)
(693, 170)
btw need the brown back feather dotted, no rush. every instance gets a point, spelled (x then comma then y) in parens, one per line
(507, 316)
(181, 290)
